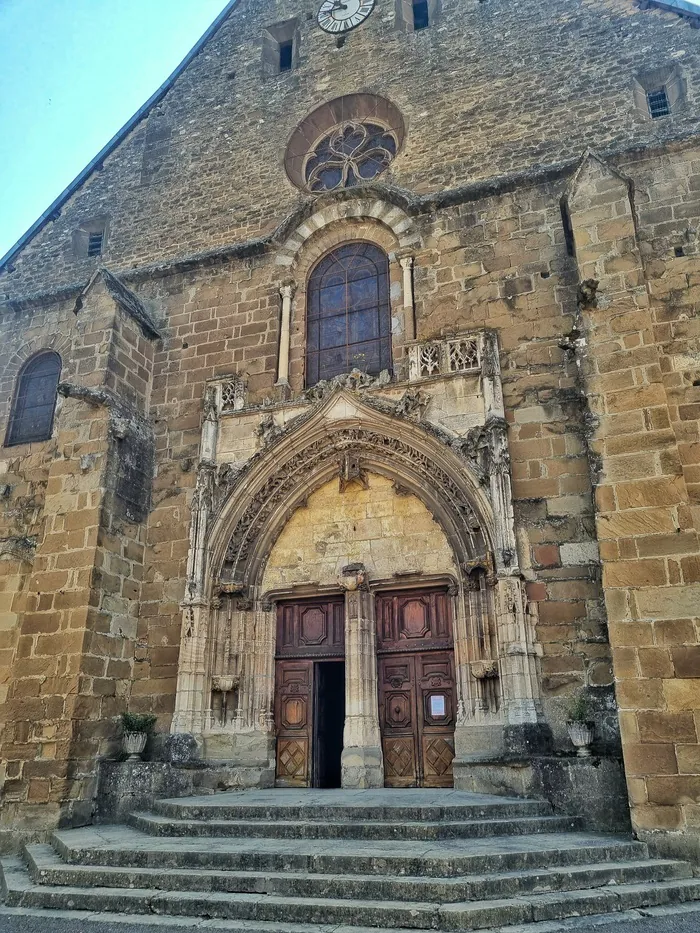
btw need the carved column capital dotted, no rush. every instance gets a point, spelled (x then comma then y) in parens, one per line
(406, 262)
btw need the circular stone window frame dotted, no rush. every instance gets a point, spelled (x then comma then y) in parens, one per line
(352, 108)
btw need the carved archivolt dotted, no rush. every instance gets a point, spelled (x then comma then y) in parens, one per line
(263, 496)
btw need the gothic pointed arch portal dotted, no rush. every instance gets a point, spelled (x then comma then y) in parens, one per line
(226, 676)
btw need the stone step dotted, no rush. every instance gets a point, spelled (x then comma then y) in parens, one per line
(20, 891)
(45, 867)
(156, 825)
(225, 807)
(122, 846)
(665, 915)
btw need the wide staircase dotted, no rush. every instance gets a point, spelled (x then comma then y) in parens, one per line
(304, 861)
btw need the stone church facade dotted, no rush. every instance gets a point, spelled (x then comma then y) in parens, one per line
(351, 403)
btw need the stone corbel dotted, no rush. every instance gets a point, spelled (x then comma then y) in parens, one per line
(122, 418)
(351, 471)
(354, 577)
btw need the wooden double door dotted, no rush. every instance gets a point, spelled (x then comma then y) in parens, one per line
(417, 696)
(310, 692)
(416, 689)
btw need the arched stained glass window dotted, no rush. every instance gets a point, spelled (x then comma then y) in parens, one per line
(348, 313)
(31, 417)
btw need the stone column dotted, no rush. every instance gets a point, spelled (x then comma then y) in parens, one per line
(287, 293)
(191, 698)
(408, 303)
(362, 765)
(192, 693)
(519, 678)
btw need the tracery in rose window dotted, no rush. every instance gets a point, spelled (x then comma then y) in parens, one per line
(350, 154)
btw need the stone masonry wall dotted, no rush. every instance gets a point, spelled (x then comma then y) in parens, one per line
(386, 532)
(69, 661)
(647, 523)
(95, 620)
(491, 88)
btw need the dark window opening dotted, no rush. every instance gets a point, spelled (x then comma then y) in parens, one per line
(348, 313)
(421, 17)
(568, 230)
(31, 417)
(286, 50)
(94, 247)
(678, 251)
(658, 103)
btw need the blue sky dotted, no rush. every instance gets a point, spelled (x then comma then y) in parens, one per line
(72, 72)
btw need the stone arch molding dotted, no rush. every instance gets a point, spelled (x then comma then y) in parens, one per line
(344, 429)
(238, 517)
(376, 209)
(59, 343)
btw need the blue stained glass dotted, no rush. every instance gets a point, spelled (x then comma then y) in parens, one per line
(349, 313)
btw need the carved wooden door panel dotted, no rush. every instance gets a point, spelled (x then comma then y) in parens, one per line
(294, 719)
(417, 704)
(312, 628)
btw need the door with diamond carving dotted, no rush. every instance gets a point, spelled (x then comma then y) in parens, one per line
(417, 697)
(294, 719)
(309, 691)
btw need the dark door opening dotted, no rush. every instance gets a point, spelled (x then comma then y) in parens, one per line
(329, 721)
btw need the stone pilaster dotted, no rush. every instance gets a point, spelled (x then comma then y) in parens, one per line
(361, 761)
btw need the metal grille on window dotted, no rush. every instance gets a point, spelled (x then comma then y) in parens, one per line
(350, 154)
(95, 244)
(658, 103)
(348, 316)
(31, 418)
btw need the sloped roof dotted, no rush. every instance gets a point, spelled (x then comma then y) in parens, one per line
(141, 113)
(682, 7)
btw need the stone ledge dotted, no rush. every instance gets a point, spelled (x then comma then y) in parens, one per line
(593, 789)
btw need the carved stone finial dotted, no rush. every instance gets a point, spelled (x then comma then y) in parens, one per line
(412, 404)
(210, 405)
(267, 430)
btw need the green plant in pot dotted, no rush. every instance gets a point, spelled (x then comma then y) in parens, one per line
(580, 725)
(136, 728)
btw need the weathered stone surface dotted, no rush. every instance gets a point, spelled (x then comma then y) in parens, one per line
(578, 431)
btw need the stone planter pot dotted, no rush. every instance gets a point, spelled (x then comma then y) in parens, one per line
(581, 734)
(133, 744)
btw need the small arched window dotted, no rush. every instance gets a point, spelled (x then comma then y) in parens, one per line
(31, 417)
(348, 313)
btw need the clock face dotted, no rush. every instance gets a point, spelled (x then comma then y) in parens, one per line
(343, 15)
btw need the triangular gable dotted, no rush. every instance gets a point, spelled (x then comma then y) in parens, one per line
(126, 299)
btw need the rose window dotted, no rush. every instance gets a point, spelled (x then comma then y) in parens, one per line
(343, 143)
(350, 154)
